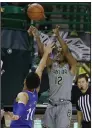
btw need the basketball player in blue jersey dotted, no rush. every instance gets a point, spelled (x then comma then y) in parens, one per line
(61, 72)
(25, 102)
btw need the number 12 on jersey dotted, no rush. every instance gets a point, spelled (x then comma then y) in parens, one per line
(58, 80)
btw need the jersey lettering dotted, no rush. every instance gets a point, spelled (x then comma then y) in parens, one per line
(30, 114)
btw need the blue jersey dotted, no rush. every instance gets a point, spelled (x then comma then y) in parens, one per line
(28, 114)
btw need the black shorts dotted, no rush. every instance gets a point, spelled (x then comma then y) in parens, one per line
(86, 124)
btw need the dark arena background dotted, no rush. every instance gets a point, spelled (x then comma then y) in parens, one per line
(19, 52)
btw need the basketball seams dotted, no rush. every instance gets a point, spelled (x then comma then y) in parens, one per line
(40, 8)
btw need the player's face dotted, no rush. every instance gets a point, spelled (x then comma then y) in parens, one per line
(82, 84)
(59, 56)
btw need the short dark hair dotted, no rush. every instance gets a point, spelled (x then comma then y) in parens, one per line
(32, 80)
(82, 76)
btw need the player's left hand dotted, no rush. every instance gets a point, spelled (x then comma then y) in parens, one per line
(12, 116)
(33, 31)
(56, 30)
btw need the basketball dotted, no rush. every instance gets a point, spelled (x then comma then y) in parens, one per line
(35, 12)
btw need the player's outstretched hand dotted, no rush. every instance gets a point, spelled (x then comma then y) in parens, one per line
(33, 31)
(56, 30)
(48, 48)
(12, 116)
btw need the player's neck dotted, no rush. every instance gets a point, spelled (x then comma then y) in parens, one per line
(31, 90)
(62, 63)
(26, 89)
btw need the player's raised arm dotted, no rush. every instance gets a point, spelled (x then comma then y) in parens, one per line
(71, 60)
(42, 64)
(33, 31)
